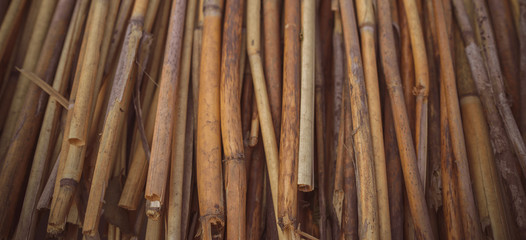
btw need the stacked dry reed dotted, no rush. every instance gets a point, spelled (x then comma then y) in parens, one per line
(250, 119)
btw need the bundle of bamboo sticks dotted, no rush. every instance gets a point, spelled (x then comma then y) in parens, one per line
(250, 119)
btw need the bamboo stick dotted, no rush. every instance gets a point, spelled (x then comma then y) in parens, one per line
(367, 28)
(262, 100)
(49, 130)
(338, 195)
(415, 190)
(188, 178)
(421, 89)
(17, 158)
(178, 150)
(42, 22)
(288, 155)
(307, 96)
(503, 153)
(496, 77)
(350, 213)
(162, 135)
(117, 35)
(450, 197)
(407, 66)
(235, 169)
(196, 55)
(118, 104)
(362, 142)
(470, 218)
(255, 194)
(273, 58)
(507, 42)
(320, 136)
(208, 164)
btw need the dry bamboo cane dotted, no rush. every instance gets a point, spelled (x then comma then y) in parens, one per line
(470, 218)
(178, 165)
(480, 153)
(407, 66)
(188, 175)
(362, 142)
(117, 107)
(208, 164)
(507, 42)
(394, 175)
(503, 154)
(255, 194)
(320, 136)
(48, 133)
(421, 89)
(415, 190)
(288, 155)
(273, 61)
(306, 139)
(495, 74)
(366, 21)
(350, 212)
(133, 191)
(262, 100)
(164, 123)
(18, 156)
(42, 22)
(338, 195)
(196, 56)
(450, 207)
(235, 169)
(9, 23)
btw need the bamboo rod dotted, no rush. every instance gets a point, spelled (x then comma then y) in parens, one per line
(497, 82)
(188, 178)
(450, 198)
(366, 22)
(208, 164)
(117, 35)
(158, 170)
(262, 100)
(349, 216)
(255, 194)
(407, 66)
(288, 155)
(362, 142)
(232, 136)
(118, 104)
(174, 216)
(470, 218)
(414, 187)
(273, 59)
(507, 42)
(307, 96)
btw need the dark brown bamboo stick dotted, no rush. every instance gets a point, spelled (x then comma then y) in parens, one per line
(362, 142)
(209, 178)
(349, 217)
(158, 170)
(470, 218)
(450, 198)
(507, 43)
(235, 169)
(415, 190)
(288, 150)
(255, 194)
(189, 176)
(273, 58)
